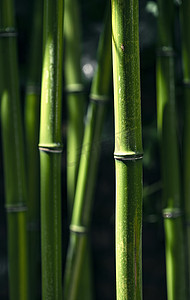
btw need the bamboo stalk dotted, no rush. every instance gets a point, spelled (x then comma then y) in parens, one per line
(80, 221)
(13, 153)
(50, 147)
(166, 119)
(32, 118)
(75, 95)
(185, 7)
(128, 149)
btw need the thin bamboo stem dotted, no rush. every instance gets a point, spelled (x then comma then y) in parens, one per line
(166, 118)
(50, 147)
(185, 23)
(128, 149)
(32, 118)
(88, 168)
(13, 153)
(75, 95)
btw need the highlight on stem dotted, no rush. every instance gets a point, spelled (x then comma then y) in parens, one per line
(50, 147)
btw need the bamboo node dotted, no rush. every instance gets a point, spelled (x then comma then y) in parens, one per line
(15, 208)
(186, 83)
(100, 99)
(33, 89)
(74, 88)
(78, 229)
(128, 156)
(8, 32)
(166, 51)
(51, 148)
(172, 213)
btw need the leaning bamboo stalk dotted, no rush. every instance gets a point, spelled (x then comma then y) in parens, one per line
(80, 221)
(13, 155)
(185, 28)
(32, 118)
(75, 95)
(128, 149)
(50, 147)
(166, 119)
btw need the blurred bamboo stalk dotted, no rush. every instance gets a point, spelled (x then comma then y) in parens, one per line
(167, 130)
(50, 147)
(13, 153)
(185, 30)
(32, 120)
(75, 95)
(80, 222)
(128, 148)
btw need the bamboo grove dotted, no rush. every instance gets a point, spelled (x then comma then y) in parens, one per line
(54, 119)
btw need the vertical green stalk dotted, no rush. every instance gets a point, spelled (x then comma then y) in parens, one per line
(185, 20)
(167, 129)
(32, 118)
(13, 152)
(75, 95)
(80, 222)
(128, 149)
(50, 147)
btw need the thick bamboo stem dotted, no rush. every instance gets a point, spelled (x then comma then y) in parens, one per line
(32, 118)
(128, 149)
(88, 168)
(50, 150)
(13, 153)
(185, 21)
(75, 95)
(172, 213)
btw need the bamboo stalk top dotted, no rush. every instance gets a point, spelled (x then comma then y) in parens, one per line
(126, 65)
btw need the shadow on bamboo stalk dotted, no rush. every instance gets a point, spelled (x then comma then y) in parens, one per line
(32, 120)
(50, 147)
(128, 148)
(80, 222)
(185, 31)
(166, 120)
(13, 154)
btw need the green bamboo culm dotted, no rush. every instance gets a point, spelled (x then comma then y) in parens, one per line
(128, 148)
(185, 30)
(13, 155)
(50, 147)
(32, 118)
(167, 130)
(80, 222)
(75, 95)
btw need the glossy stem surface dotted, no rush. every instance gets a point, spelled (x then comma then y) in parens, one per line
(128, 149)
(50, 147)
